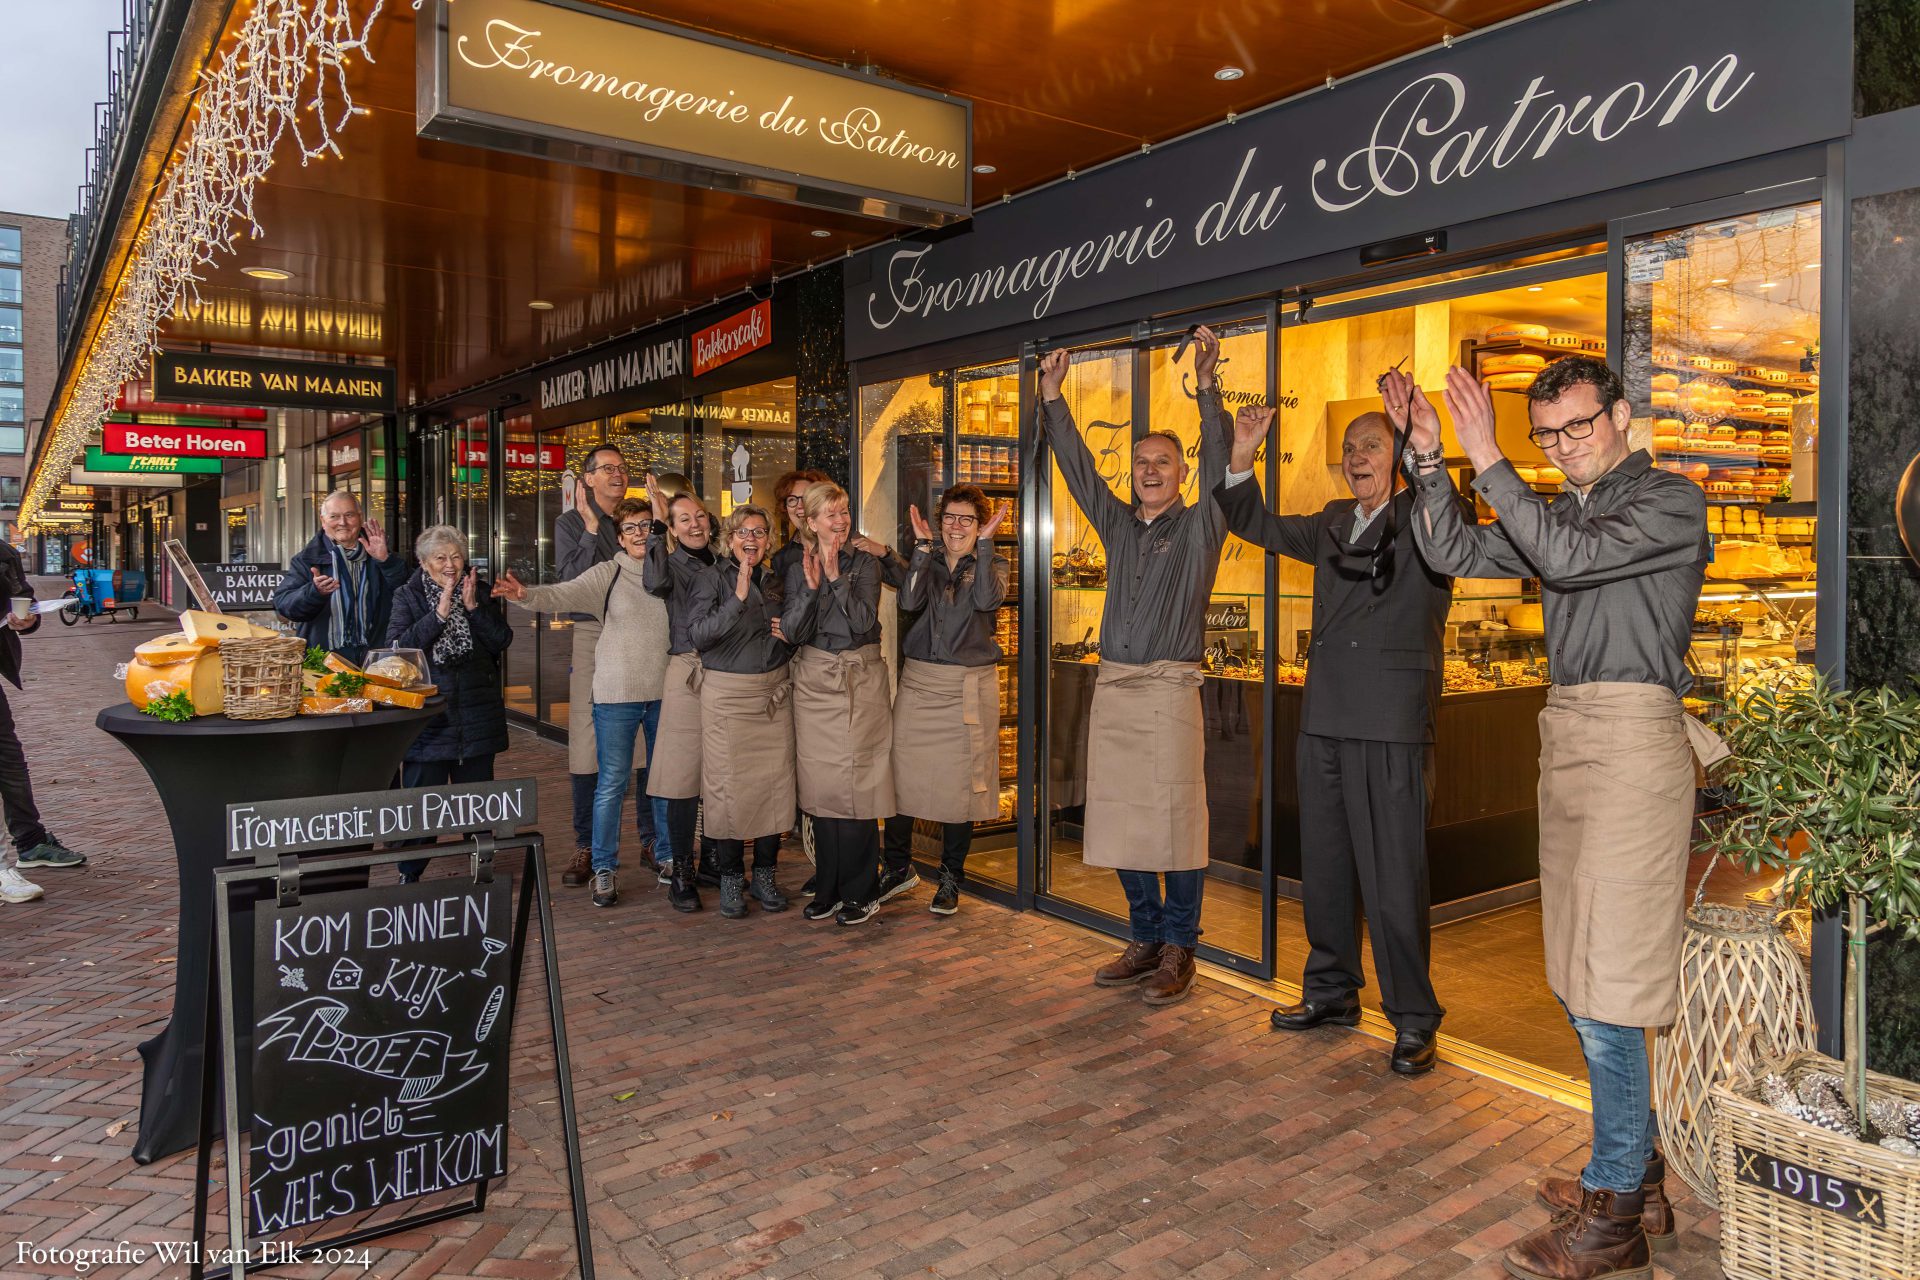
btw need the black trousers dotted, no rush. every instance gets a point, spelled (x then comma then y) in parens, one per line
(730, 855)
(956, 839)
(846, 860)
(16, 788)
(1363, 843)
(681, 817)
(440, 773)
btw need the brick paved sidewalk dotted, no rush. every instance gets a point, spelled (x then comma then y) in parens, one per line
(915, 1097)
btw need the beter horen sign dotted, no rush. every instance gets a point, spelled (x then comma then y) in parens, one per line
(567, 81)
(208, 378)
(1551, 108)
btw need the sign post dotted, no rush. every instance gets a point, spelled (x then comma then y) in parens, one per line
(383, 1018)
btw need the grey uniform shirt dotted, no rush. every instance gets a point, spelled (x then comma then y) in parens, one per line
(735, 635)
(669, 574)
(956, 606)
(1620, 572)
(842, 614)
(575, 550)
(1159, 572)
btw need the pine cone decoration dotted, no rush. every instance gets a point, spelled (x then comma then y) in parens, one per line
(1776, 1091)
(1901, 1145)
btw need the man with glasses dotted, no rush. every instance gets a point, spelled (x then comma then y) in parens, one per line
(582, 538)
(1620, 555)
(1364, 757)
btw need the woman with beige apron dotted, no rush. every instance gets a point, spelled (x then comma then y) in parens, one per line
(679, 552)
(842, 714)
(946, 712)
(746, 708)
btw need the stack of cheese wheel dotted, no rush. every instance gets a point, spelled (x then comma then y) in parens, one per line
(1511, 372)
(177, 662)
(1517, 333)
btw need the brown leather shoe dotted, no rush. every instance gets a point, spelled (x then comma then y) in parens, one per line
(580, 870)
(1173, 979)
(1600, 1240)
(1131, 965)
(1562, 1195)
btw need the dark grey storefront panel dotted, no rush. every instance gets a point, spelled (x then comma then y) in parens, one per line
(1592, 98)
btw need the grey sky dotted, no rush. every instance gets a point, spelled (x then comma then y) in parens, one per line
(53, 68)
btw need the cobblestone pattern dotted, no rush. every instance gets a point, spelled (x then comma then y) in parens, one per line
(913, 1097)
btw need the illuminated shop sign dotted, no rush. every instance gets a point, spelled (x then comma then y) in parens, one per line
(732, 338)
(205, 378)
(137, 439)
(563, 81)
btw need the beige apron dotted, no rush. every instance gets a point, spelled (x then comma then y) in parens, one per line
(675, 771)
(843, 723)
(1616, 824)
(583, 751)
(746, 757)
(1146, 769)
(938, 711)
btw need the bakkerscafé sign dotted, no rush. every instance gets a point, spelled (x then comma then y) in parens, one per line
(573, 82)
(1586, 99)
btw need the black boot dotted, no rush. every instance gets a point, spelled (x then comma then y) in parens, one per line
(682, 892)
(709, 873)
(766, 892)
(733, 895)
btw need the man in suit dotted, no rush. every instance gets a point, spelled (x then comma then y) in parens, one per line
(1365, 752)
(33, 844)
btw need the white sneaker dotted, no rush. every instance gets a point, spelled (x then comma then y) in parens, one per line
(15, 887)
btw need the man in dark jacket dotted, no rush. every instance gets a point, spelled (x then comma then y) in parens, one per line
(1365, 753)
(33, 844)
(339, 588)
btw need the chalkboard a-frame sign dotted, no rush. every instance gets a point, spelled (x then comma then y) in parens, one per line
(382, 1021)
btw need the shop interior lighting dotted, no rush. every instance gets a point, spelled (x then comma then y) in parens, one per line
(539, 304)
(1718, 280)
(1768, 284)
(821, 232)
(266, 273)
(1228, 73)
(1535, 288)
(282, 81)
(984, 169)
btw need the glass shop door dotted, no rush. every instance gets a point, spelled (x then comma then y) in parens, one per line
(1118, 392)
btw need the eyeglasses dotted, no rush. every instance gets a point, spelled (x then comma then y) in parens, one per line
(959, 521)
(796, 500)
(618, 467)
(1578, 429)
(630, 527)
(751, 535)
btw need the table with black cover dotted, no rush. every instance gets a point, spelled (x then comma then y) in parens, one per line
(199, 767)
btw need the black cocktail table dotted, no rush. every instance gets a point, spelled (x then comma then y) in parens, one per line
(199, 767)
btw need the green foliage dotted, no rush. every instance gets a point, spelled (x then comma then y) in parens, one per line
(1839, 769)
(176, 706)
(316, 660)
(344, 685)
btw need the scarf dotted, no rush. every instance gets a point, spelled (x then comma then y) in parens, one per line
(456, 636)
(347, 619)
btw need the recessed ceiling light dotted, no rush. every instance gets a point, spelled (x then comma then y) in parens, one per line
(1716, 326)
(1810, 266)
(984, 168)
(1718, 280)
(1535, 288)
(1768, 284)
(540, 304)
(266, 273)
(821, 233)
(1228, 73)
(1788, 342)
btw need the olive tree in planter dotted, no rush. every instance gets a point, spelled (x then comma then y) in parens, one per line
(1826, 784)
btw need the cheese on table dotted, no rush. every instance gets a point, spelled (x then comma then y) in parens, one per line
(181, 665)
(212, 628)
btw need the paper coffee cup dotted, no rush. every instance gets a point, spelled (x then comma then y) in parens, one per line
(23, 607)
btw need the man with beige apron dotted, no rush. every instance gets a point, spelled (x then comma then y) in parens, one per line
(1146, 812)
(582, 538)
(1620, 556)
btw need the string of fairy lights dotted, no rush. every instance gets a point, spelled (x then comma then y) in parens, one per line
(282, 82)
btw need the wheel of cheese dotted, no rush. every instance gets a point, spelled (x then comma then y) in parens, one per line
(1517, 333)
(1664, 382)
(1780, 398)
(1698, 362)
(1696, 471)
(1776, 452)
(1527, 617)
(1750, 396)
(1666, 443)
(1559, 339)
(1509, 381)
(196, 671)
(1750, 435)
(1528, 474)
(1665, 425)
(1779, 435)
(1521, 363)
(1743, 488)
(1723, 431)
(1664, 399)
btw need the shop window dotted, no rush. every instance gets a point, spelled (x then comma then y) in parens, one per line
(9, 244)
(13, 405)
(742, 440)
(13, 439)
(9, 491)
(467, 506)
(13, 367)
(10, 284)
(11, 328)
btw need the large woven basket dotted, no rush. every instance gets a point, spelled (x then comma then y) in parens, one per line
(261, 678)
(1872, 1229)
(1737, 969)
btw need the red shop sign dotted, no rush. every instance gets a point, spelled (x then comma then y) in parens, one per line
(732, 338)
(520, 457)
(183, 442)
(139, 403)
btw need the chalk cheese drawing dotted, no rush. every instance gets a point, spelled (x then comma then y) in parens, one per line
(346, 975)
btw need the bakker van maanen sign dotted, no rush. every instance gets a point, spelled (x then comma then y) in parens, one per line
(580, 84)
(207, 378)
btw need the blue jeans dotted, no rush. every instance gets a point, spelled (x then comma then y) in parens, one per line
(1623, 1119)
(1174, 919)
(614, 727)
(649, 821)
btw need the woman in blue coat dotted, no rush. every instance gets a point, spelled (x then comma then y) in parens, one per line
(446, 611)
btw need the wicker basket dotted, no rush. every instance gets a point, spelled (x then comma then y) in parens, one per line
(1760, 1156)
(261, 677)
(1737, 969)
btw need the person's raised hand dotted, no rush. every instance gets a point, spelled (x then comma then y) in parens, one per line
(1206, 356)
(1251, 423)
(861, 542)
(1000, 510)
(657, 498)
(921, 533)
(1471, 406)
(810, 565)
(509, 587)
(1053, 374)
(376, 539)
(324, 584)
(470, 589)
(584, 505)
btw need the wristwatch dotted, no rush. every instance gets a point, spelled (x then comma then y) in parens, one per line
(1417, 463)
